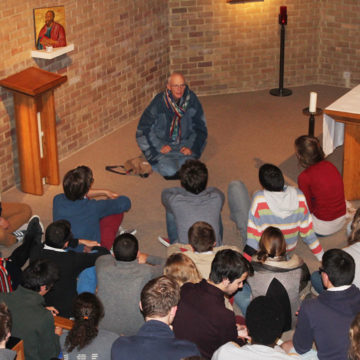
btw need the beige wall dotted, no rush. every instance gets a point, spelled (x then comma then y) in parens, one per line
(124, 50)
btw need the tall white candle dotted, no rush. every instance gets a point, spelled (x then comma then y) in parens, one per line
(312, 105)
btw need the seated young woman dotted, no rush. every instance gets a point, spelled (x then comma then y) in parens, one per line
(271, 262)
(85, 340)
(322, 186)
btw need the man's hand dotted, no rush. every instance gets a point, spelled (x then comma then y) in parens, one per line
(242, 332)
(185, 151)
(53, 311)
(165, 149)
(287, 346)
(142, 257)
(111, 195)
(4, 223)
(58, 330)
(88, 243)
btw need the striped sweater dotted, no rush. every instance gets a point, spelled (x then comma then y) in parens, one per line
(294, 221)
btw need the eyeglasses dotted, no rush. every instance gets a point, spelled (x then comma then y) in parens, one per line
(178, 86)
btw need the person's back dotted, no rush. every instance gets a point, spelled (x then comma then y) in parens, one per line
(120, 280)
(70, 264)
(155, 339)
(32, 322)
(192, 202)
(326, 319)
(202, 316)
(84, 340)
(280, 206)
(84, 213)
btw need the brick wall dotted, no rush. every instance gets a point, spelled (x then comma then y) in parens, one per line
(339, 42)
(121, 58)
(224, 48)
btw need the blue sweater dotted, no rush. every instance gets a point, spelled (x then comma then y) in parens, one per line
(326, 320)
(84, 215)
(155, 340)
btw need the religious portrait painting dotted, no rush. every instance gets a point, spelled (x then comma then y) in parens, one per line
(49, 26)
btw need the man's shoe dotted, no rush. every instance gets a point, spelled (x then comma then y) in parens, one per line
(176, 176)
(164, 241)
(122, 230)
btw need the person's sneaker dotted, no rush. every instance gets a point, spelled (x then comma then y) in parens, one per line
(164, 241)
(24, 227)
(19, 234)
(122, 230)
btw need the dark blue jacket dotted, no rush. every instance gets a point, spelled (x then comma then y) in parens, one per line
(155, 340)
(326, 320)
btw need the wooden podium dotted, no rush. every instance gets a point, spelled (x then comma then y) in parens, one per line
(351, 170)
(35, 126)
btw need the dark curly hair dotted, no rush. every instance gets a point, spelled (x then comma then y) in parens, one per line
(88, 311)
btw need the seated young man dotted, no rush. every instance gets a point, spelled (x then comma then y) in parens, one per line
(120, 280)
(326, 319)
(192, 202)
(58, 237)
(202, 317)
(201, 248)
(90, 219)
(276, 205)
(264, 323)
(12, 217)
(155, 339)
(31, 321)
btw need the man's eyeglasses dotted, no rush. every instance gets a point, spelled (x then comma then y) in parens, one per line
(178, 86)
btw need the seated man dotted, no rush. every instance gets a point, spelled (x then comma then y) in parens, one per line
(276, 205)
(31, 321)
(192, 202)
(201, 248)
(58, 236)
(120, 280)
(172, 129)
(12, 216)
(202, 316)
(90, 219)
(326, 319)
(155, 339)
(264, 323)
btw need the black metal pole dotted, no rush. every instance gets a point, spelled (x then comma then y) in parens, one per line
(282, 53)
(311, 124)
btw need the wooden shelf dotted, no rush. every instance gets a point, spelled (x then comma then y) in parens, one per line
(43, 54)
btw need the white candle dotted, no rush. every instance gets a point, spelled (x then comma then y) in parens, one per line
(312, 105)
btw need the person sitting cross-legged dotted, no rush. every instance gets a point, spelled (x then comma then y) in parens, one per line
(120, 279)
(202, 316)
(192, 202)
(326, 319)
(155, 339)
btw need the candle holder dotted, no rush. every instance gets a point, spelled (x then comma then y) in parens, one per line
(312, 115)
(281, 91)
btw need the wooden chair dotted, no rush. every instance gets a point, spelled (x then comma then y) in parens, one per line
(64, 323)
(19, 348)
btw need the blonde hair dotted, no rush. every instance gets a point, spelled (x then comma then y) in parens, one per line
(354, 333)
(182, 269)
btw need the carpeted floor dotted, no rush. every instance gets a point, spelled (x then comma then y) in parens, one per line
(245, 130)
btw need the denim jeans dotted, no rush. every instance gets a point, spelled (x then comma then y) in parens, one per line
(239, 204)
(242, 298)
(316, 282)
(168, 164)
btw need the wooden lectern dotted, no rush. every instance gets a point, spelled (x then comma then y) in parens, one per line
(35, 126)
(351, 170)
